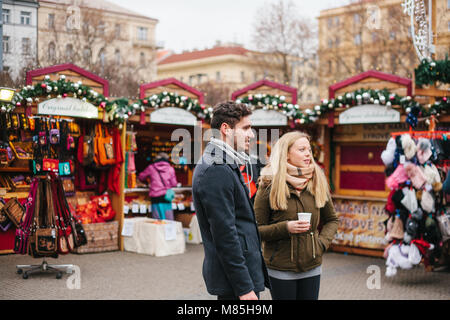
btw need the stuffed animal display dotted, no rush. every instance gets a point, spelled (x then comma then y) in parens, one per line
(418, 211)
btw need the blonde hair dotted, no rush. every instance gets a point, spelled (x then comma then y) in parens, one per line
(274, 174)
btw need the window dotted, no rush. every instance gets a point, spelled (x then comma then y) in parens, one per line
(255, 76)
(142, 60)
(336, 21)
(374, 36)
(242, 76)
(6, 44)
(51, 20)
(87, 55)
(357, 18)
(448, 4)
(393, 62)
(69, 51)
(330, 23)
(117, 56)
(358, 64)
(51, 52)
(392, 35)
(142, 33)
(374, 62)
(448, 26)
(191, 78)
(330, 66)
(6, 14)
(310, 81)
(309, 97)
(357, 39)
(26, 46)
(101, 28)
(102, 57)
(117, 29)
(25, 17)
(218, 76)
(330, 43)
(338, 41)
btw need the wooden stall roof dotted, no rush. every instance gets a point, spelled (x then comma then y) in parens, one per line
(374, 80)
(72, 73)
(267, 87)
(170, 85)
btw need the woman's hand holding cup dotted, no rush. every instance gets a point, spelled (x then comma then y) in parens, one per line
(300, 225)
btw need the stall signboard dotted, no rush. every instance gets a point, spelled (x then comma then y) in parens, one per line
(69, 107)
(371, 132)
(261, 117)
(361, 223)
(172, 115)
(369, 113)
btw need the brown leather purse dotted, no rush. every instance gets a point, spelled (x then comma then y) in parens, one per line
(45, 234)
(14, 210)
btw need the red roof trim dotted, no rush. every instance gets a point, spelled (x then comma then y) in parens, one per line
(68, 66)
(268, 83)
(371, 73)
(200, 95)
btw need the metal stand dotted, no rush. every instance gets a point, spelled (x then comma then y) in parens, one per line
(27, 269)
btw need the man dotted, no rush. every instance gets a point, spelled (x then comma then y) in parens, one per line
(233, 267)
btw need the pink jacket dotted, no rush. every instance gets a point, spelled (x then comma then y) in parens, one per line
(157, 186)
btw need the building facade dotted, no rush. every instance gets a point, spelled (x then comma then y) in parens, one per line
(19, 36)
(97, 35)
(231, 67)
(372, 35)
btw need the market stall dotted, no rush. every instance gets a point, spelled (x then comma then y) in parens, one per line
(171, 119)
(362, 113)
(57, 123)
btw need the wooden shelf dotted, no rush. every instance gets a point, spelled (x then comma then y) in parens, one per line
(14, 169)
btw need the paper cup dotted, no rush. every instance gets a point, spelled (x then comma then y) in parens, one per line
(304, 216)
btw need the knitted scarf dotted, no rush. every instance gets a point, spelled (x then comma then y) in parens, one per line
(299, 177)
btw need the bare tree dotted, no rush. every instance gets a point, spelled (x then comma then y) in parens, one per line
(90, 46)
(287, 41)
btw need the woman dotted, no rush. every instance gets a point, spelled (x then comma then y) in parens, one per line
(162, 178)
(291, 183)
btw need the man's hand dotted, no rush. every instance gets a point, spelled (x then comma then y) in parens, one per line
(249, 296)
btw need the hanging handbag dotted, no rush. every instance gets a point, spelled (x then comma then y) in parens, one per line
(64, 169)
(51, 165)
(54, 136)
(45, 235)
(103, 146)
(78, 236)
(14, 210)
(5, 222)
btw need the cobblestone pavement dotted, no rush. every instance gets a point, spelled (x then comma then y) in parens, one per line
(124, 275)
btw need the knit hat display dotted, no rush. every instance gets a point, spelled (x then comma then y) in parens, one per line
(423, 150)
(399, 176)
(431, 174)
(387, 156)
(427, 202)
(409, 200)
(415, 175)
(409, 146)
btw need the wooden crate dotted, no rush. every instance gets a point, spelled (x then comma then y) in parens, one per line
(102, 237)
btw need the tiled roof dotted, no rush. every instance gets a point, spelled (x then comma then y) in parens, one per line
(201, 54)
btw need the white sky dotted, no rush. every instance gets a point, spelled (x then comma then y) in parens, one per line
(197, 24)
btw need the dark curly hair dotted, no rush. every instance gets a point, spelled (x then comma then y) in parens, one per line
(228, 112)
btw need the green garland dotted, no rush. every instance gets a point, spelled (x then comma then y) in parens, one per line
(170, 99)
(429, 72)
(350, 99)
(117, 111)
